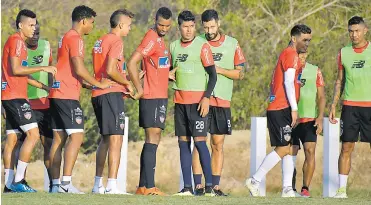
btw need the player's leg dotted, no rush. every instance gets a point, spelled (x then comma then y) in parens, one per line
(152, 114)
(9, 159)
(184, 141)
(55, 156)
(217, 159)
(100, 161)
(114, 154)
(197, 172)
(47, 143)
(278, 125)
(308, 166)
(350, 128)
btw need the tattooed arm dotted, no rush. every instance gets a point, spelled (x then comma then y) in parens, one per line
(338, 90)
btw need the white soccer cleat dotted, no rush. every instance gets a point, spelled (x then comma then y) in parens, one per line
(69, 188)
(98, 190)
(115, 191)
(288, 192)
(253, 187)
(341, 193)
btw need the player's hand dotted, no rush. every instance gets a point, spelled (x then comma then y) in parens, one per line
(331, 116)
(294, 118)
(50, 69)
(203, 106)
(129, 90)
(319, 124)
(172, 74)
(44, 87)
(105, 83)
(141, 74)
(138, 95)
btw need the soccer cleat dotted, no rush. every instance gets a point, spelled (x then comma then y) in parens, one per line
(200, 191)
(305, 193)
(186, 191)
(253, 186)
(341, 193)
(298, 195)
(69, 188)
(209, 191)
(22, 186)
(7, 190)
(288, 192)
(98, 190)
(154, 191)
(115, 191)
(140, 190)
(219, 192)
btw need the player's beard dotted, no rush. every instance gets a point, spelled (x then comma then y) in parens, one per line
(210, 37)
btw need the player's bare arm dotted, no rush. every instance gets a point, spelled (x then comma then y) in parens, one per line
(234, 74)
(339, 86)
(321, 102)
(18, 69)
(134, 74)
(81, 71)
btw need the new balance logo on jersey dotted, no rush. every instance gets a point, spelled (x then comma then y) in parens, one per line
(358, 64)
(182, 57)
(217, 56)
(37, 59)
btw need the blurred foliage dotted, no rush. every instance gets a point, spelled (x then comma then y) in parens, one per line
(261, 26)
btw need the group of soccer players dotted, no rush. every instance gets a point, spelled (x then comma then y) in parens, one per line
(202, 68)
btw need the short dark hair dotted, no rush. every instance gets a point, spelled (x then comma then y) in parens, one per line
(115, 17)
(81, 12)
(24, 13)
(185, 16)
(299, 29)
(356, 20)
(209, 15)
(164, 12)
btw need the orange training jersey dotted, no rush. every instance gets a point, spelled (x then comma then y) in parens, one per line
(108, 46)
(289, 58)
(67, 84)
(156, 64)
(13, 87)
(238, 59)
(193, 97)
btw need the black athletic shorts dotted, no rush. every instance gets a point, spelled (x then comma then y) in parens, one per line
(109, 110)
(355, 124)
(220, 121)
(19, 115)
(66, 114)
(279, 126)
(188, 121)
(306, 132)
(152, 113)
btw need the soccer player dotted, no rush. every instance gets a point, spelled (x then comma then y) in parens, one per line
(108, 104)
(65, 108)
(354, 77)
(282, 111)
(14, 96)
(311, 109)
(155, 58)
(230, 62)
(195, 80)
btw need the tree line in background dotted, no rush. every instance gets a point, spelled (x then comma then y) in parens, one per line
(262, 28)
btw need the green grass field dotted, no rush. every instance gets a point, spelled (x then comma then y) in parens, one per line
(355, 197)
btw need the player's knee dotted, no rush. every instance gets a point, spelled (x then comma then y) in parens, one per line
(217, 147)
(310, 152)
(347, 148)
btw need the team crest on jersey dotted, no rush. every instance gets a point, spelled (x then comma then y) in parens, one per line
(286, 132)
(3, 85)
(163, 62)
(78, 120)
(27, 115)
